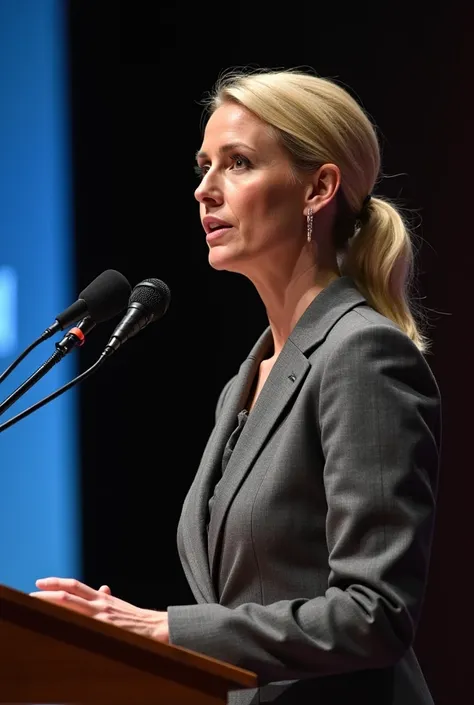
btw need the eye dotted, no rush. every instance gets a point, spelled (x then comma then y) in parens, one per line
(201, 171)
(240, 161)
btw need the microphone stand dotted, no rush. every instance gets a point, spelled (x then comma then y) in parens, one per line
(44, 336)
(75, 337)
(108, 351)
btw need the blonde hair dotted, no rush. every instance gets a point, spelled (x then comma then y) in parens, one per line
(319, 122)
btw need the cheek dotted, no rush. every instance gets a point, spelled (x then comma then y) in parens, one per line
(260, 200)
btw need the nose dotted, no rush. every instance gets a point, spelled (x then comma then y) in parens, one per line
(208, 191)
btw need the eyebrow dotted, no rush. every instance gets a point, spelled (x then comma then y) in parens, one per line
(226, 148)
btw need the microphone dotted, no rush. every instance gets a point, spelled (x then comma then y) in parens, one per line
(148, 302)
(102, 299)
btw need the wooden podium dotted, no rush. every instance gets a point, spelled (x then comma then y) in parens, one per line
(51, 655)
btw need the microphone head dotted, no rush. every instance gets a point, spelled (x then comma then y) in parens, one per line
(154, 295)
(106, 296)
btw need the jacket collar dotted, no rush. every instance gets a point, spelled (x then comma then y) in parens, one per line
(333, 302)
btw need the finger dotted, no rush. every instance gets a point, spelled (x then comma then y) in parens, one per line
(106, 589)
(66, 599)
(70, 585)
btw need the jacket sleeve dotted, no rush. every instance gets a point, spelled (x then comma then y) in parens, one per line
(379, 414)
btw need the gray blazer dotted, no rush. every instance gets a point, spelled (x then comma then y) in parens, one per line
(314, 570)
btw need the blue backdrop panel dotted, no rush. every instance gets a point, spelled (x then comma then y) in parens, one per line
(39, 517)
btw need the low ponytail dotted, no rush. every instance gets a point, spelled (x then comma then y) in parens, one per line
(380, 259)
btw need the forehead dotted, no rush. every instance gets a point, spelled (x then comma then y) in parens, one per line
(233, 123)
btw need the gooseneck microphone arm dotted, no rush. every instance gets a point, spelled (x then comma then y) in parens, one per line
(44, 336)
(32, 379)
(72, 339)
(57, 393)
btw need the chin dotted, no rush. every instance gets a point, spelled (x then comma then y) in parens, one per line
(221, 257)
(219, 263)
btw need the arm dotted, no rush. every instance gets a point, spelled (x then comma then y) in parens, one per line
(379, 422)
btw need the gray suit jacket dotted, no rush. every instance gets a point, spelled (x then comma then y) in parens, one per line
(314, 571)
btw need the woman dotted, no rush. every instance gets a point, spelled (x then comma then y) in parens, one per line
(306, 533)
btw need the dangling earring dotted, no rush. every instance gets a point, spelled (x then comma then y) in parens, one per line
(309, 223)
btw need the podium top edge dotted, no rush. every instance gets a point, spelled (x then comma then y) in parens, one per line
(68, 626)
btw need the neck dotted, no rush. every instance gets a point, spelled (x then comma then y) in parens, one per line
(286, 301)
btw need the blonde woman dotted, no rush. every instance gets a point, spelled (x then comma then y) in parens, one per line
(306, 534)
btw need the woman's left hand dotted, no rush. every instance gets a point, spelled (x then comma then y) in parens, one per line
(101, 604)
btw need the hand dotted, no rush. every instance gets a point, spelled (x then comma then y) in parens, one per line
(100, 604)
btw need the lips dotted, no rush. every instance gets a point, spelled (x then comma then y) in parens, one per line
(212, 224)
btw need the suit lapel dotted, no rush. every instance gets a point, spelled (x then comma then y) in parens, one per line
(280, 387)
(193, 533)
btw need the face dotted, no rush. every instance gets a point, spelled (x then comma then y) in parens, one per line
(251, 204)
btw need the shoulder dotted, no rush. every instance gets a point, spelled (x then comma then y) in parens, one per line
(365, 321)
(365, 351)
(362, 331)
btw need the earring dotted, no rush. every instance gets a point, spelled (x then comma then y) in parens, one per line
(309, 223)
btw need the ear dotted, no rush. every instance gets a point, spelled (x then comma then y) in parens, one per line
(322, 187)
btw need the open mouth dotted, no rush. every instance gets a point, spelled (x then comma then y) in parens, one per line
(216, 231)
